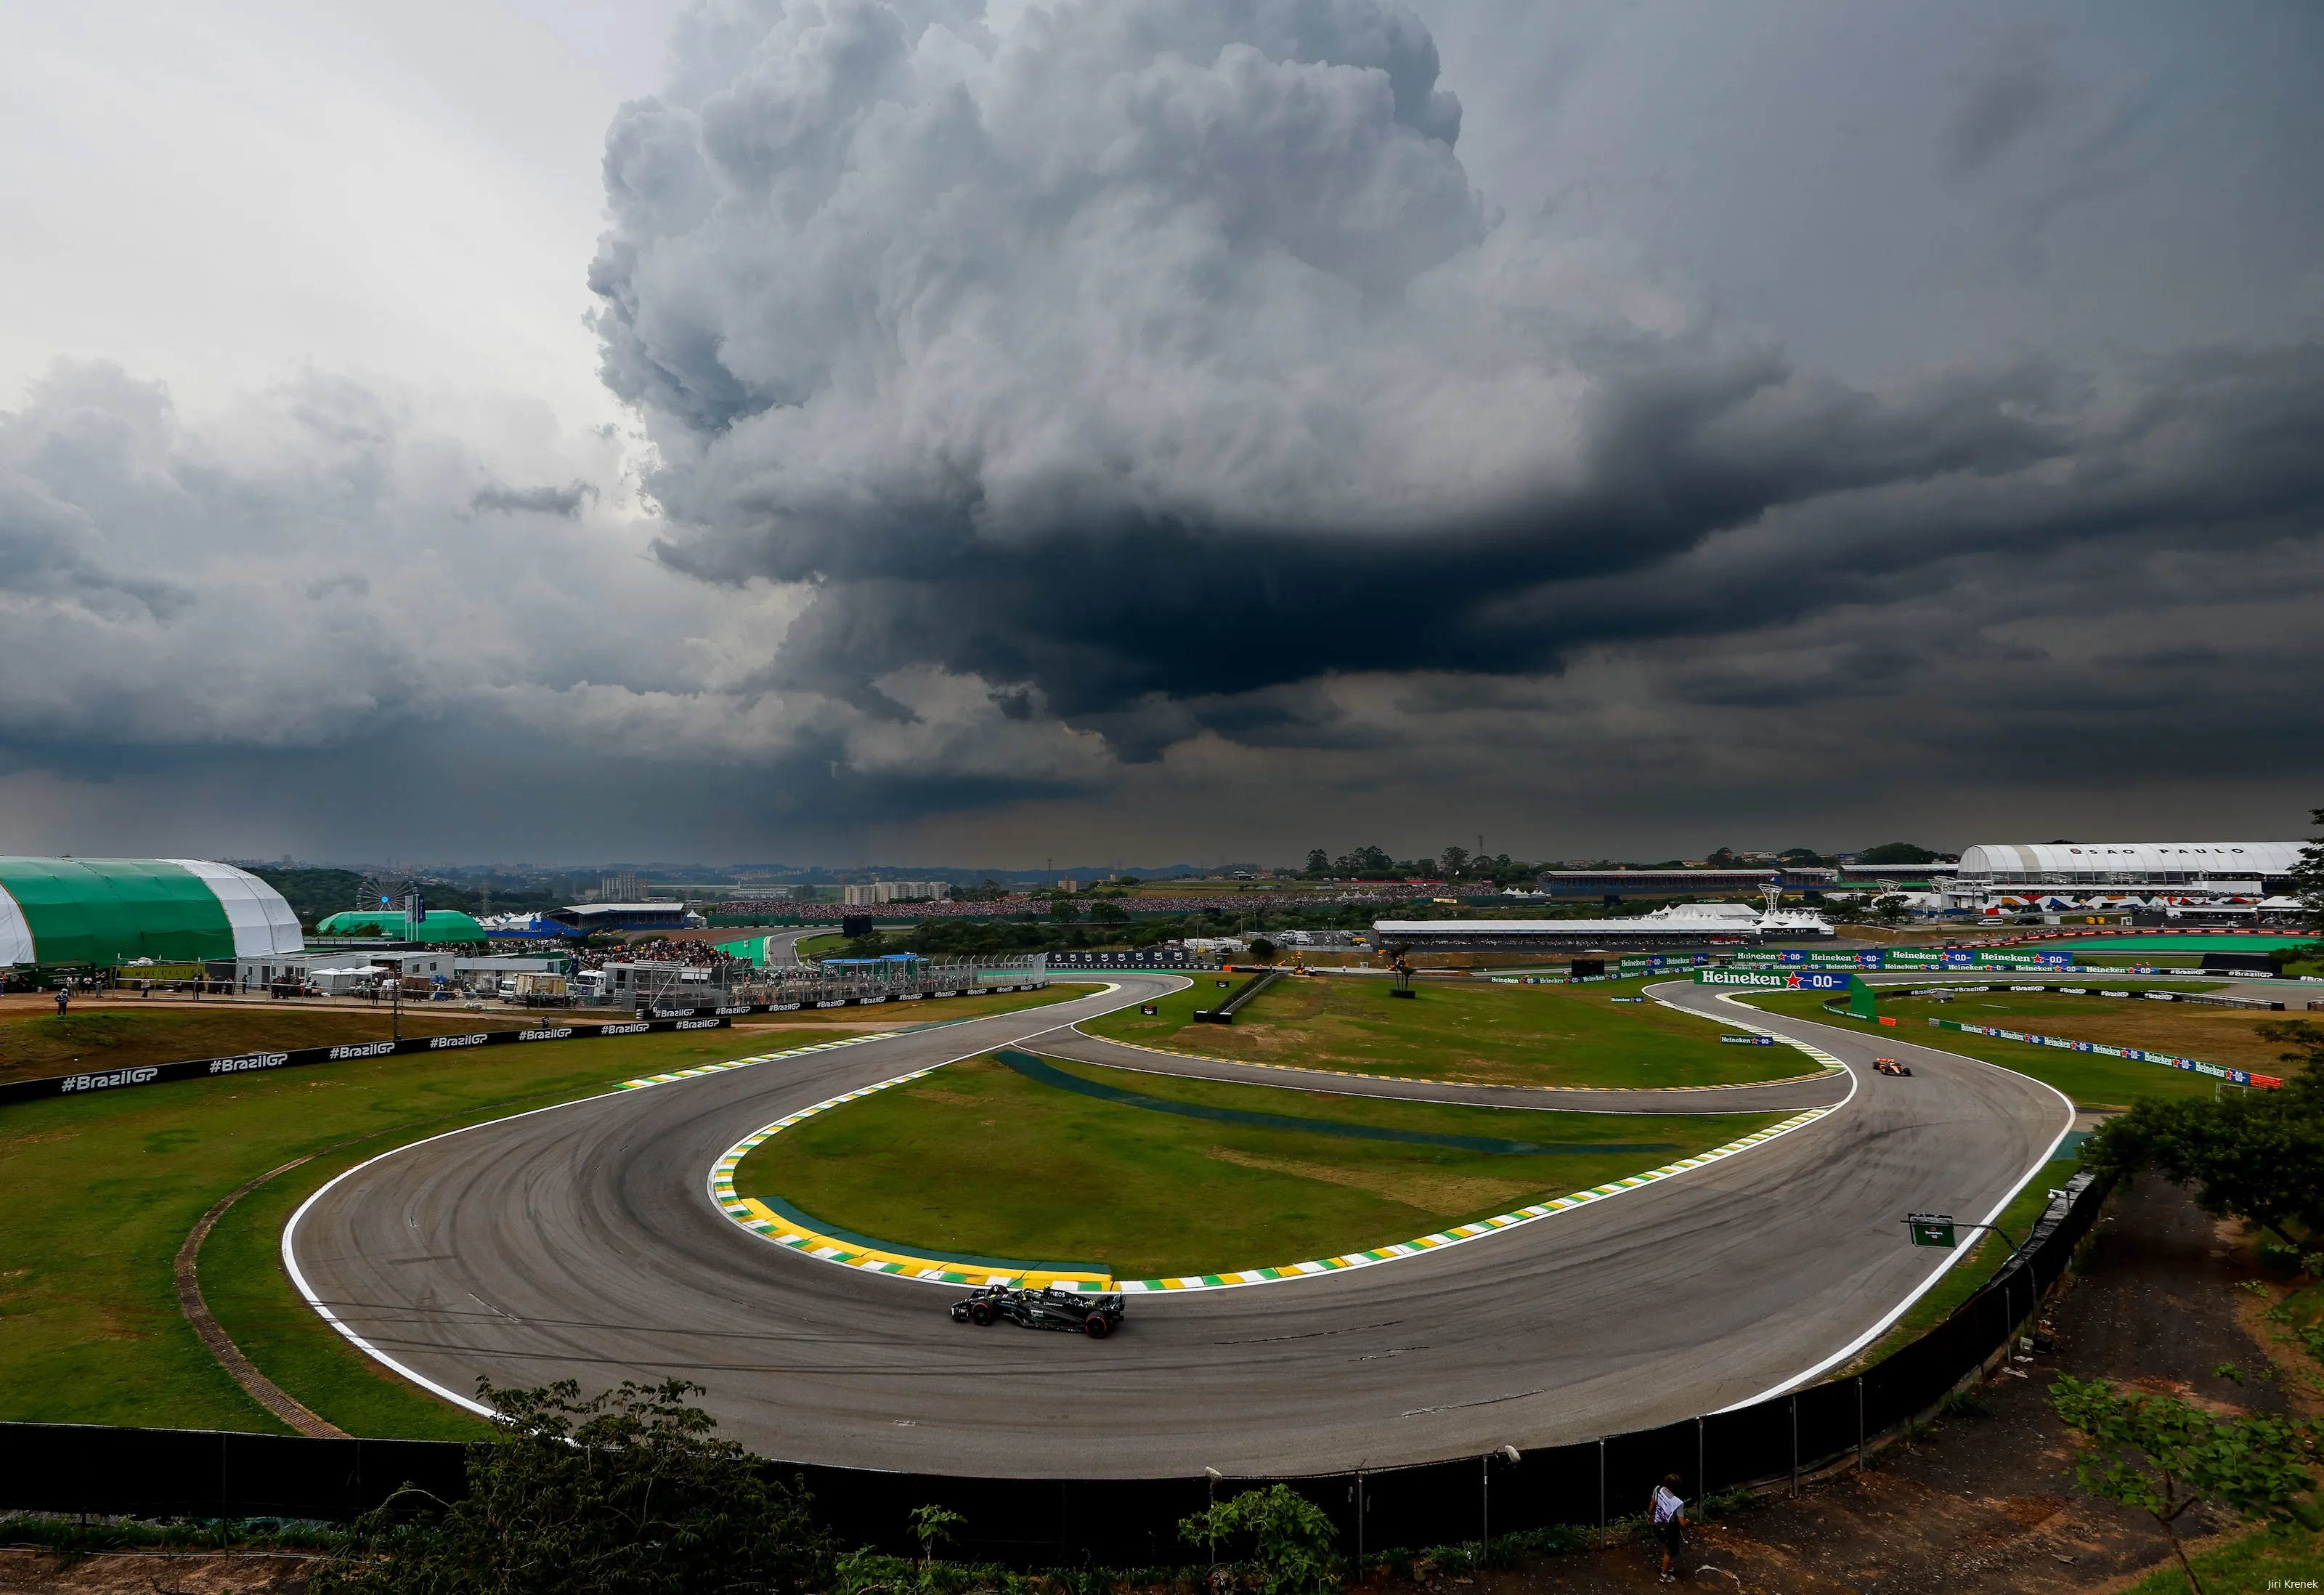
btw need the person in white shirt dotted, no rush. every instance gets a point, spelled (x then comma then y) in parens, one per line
(1669, 1513)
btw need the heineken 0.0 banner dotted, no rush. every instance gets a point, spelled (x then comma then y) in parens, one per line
(1635, 963)
(1903, 958)
(1777, 980)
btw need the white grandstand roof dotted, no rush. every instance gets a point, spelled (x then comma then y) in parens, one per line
(2229, 860)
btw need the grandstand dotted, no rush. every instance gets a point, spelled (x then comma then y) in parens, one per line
(588, 918)
(2225, 868)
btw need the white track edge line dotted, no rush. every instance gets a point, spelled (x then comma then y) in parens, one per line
(1797, 1122)
(1947, 1265)
(291, 1228)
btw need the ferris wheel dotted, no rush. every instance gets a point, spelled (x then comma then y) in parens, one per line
(383, 891)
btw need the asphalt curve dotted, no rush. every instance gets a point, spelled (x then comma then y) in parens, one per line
(580, 1241)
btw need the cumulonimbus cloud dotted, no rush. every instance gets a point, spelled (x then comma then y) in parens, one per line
(1154, 351)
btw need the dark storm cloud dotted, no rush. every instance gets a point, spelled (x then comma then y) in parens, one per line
(1133, 417)
(1155, 358)
(565, 501)
(2017, 88)
(52, 551)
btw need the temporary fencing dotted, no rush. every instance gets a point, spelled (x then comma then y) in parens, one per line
(1131, 1522)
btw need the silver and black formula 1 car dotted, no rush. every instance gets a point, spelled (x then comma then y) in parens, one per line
(1096, 1316)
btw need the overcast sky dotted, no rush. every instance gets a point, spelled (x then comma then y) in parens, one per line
(1154, 430)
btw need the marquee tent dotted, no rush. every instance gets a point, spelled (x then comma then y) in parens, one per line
(113, 911)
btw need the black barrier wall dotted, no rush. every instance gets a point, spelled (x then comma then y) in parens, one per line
(25, 1090)
(1124, 1522)
(214, 1473)
(660, 1020)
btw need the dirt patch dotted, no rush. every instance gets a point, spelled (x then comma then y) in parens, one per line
(2225, 1036)
(957, 1099)
(1989, 1502)
(1444, 1196)
(213, 1572)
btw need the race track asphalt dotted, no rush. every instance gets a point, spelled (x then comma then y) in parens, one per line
(580, 1241)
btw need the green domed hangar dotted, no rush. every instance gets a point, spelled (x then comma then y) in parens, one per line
(105, 912)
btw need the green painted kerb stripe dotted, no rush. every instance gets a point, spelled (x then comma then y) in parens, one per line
(113, 910)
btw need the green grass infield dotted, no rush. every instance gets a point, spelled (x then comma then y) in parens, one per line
(1504, 1034)
(1148, 1176)
(101, 1190)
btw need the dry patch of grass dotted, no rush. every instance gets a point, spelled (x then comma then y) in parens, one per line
(1448, 1196)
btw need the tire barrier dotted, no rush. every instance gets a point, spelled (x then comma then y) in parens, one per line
(1128, 1522)
(1144, 963)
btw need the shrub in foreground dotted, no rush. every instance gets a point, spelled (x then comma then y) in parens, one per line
(627, 1493)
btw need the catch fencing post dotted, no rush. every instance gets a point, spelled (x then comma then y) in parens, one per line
(1602, 1494)
(1795, 1444)
(1701, 1469)
(1860, 1423)
(1485, 1507)
(1360, 1523)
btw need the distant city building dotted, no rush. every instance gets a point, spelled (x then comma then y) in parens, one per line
(868, 892)
(624, 888)
(1069, 886)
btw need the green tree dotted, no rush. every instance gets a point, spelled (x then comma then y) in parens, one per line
(1289, 1536)
(627, 1493)
(1896, 852)
(932, 1525)
(1319, 863)
(2308, 875)
(2161, 1454)
(1064, 909)
(1889, 909)
(2257, 1155)
(1108, 913)
(2306, 1054)
(1263, 950)
(1453, 861)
